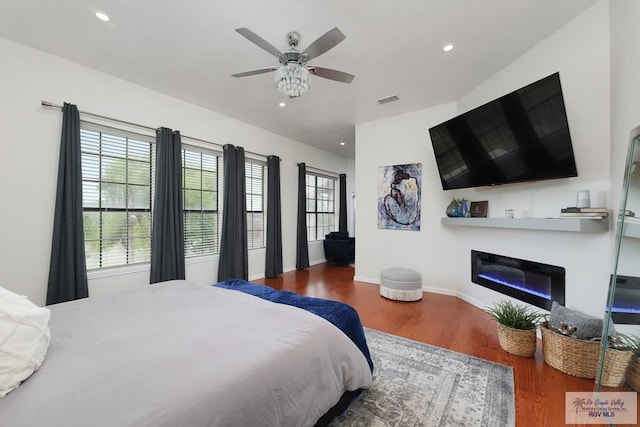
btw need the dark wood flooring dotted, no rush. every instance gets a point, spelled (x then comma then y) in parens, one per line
(448, 322)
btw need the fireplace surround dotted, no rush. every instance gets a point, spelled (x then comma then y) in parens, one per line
(529, 281)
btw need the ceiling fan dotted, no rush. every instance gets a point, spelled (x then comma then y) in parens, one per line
(292, 75)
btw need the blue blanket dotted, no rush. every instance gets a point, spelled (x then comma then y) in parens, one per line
(341, 315)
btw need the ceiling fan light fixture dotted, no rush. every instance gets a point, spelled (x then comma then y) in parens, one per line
(293, 79)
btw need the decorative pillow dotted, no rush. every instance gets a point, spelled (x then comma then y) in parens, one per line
(588, 326)
(24, 339)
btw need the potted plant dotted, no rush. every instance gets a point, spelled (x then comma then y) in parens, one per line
(517, 324)
(633, 370)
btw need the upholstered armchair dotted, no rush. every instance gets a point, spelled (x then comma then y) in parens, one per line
(339, 248)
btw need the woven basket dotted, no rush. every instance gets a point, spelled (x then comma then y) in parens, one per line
(581, 358)
(615, 367)
(633, 373)
(517, 341)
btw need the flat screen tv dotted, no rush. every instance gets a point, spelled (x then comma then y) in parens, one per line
(522, 136)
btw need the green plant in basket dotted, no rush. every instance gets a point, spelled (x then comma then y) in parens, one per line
(632, 342)
(516, 316)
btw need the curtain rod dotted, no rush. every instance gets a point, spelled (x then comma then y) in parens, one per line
(100, 116)
(312, 169)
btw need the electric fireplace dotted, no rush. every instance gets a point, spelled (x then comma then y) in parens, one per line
(626, 301)
(529, 281)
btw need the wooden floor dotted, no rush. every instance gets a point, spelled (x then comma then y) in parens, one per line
(448, 322)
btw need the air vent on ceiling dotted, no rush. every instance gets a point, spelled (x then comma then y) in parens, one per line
(388, 99)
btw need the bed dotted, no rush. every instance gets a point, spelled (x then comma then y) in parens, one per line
(185, 354)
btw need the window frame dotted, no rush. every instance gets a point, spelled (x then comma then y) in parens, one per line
(315, 232)
(250, 211)
(255, 241)
(186, 211)
(93, 176)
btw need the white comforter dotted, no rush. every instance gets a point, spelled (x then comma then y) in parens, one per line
(180, 354)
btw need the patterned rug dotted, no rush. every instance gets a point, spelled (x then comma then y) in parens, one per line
(417, 384)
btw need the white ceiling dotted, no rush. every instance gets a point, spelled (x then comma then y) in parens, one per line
(188, 49)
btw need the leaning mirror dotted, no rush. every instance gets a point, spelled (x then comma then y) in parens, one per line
(623, 305)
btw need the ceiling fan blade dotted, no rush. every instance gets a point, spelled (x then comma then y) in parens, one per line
(254, 72)
(328, 73)
(260, 42)
(323, 43)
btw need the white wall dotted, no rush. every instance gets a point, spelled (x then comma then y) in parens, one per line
(580, 52)
(29, 159)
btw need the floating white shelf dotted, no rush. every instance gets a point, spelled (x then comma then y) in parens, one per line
(579, 225)
(631, 229)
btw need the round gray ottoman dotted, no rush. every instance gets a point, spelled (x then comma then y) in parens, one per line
(401, 284)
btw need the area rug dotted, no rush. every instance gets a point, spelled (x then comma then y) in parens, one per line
(416, 384)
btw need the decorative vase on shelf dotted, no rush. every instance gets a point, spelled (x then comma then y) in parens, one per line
(464, 208)
(452, 210)
(455, 208)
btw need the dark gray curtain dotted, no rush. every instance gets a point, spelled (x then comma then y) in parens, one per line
(273, 261)
(167, 238)
(67, 268)
(343, 204)
(302, 246)
(234, 255)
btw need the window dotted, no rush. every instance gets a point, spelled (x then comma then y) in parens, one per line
(320, 206)
(200, 198)
(117, 182)
(255, 182)
(118, 169)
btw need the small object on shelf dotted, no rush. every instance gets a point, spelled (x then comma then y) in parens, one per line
(583, 199)
(509, 213)
(577, 212)
(458, 208)
(575, 209)
(595, 215)
(479, 209)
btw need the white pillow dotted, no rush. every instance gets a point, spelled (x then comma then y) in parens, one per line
(24, 339)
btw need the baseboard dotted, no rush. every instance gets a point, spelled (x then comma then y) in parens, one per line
(471, 300)
(370, 280)
(442, 291)
(432, 289)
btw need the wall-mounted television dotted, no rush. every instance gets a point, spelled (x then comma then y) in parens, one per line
(519, 137)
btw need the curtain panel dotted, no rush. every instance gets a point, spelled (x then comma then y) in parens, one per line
(343, 204)
(302, 244)
(273, 260)
(167, 238)
(67, 268)
(234, 253)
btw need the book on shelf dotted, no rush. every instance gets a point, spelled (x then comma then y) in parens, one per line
(596, 215)
(573, 209)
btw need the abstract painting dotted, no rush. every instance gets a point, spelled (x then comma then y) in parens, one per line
(399, 197)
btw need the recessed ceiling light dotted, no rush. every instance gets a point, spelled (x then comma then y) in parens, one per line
(447, 47)
(282, 104)
(343, 143)
(102, 16)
